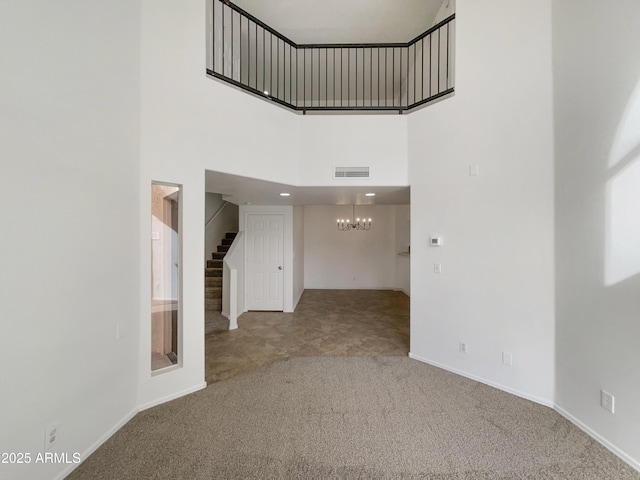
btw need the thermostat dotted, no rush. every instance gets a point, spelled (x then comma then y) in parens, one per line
(436, 241)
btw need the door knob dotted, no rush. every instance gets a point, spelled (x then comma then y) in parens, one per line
(280, 268)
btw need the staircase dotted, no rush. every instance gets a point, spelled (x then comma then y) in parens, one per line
(213, 275)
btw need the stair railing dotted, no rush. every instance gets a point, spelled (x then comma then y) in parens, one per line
(215, 215)
(248, 54)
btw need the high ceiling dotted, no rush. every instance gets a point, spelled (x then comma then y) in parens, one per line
(345, 21)
(250, 191)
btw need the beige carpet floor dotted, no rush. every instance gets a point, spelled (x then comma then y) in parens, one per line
(352, 418)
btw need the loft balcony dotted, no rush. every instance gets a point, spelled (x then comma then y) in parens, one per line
(398, 77)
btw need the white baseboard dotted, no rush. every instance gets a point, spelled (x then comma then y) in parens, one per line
(297, 300)
(351, 288)
(232, 325)
(504, 388)
(403, 291)
(172, 396)
(98, 443)
(599, 438)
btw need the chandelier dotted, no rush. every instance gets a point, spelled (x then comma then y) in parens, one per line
(359, 224)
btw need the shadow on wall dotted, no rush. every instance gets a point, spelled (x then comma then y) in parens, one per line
(622, 233)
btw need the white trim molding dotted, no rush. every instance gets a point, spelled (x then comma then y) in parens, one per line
(551, 404)
(599, 438)
(98, 443)
(513, 391)
(172, 396)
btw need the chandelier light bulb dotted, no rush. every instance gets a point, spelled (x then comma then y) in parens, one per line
(357, 224)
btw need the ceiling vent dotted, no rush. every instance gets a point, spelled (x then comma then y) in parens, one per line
(351, 172)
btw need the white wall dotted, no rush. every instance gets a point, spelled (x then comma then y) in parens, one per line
(69, 124)
(447, 9)
(597, 119)
(298, 253)
(496, 290)
(355, 259)
(375, 141)
(403, 241)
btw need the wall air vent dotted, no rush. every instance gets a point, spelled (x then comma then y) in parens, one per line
(351, 172)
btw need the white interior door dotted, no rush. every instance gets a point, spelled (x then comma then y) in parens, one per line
(265, 262)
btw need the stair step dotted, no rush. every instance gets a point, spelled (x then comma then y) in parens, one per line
(218, 255)
(213, 272)
(227, 241)
(223, 248)
(212, 282)
(214, 263)
(213, 293)
(231, 235)
(213, 304)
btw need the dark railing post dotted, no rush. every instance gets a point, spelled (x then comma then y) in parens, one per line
(422, 89)
(438, 61)
(214, 30)
(326, 77)
(430, 64)
(341, 76)
(349, 97)
(356, 79)
(223, 72)
(333, 90)
(400, 73)
(393, 76)
(378, 76)
(371, 77)
(448, 54)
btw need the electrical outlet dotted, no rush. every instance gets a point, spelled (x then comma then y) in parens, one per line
(51, 436)
(607, 401)
(507, 358)
(462, 346)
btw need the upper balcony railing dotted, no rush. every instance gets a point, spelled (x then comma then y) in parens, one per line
(248, 54)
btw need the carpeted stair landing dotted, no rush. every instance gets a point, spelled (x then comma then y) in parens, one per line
(351, 417)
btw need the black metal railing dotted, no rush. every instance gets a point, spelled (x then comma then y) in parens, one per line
(248, 54)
